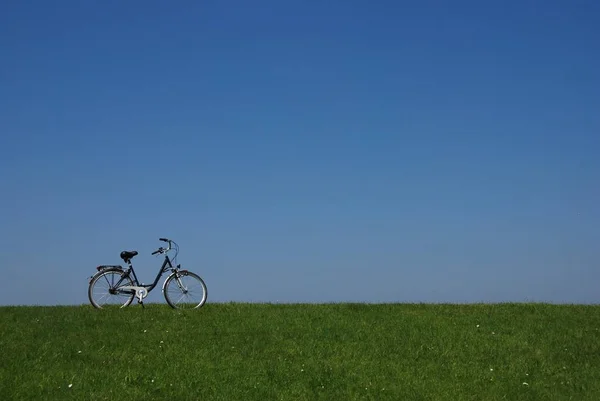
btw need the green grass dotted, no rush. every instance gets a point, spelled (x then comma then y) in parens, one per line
(302, 352)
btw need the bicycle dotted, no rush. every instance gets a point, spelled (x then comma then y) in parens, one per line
(123, 283)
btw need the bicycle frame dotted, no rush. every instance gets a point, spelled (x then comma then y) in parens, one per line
(166, 266)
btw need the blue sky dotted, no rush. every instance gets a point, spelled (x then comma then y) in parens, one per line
(310, 151)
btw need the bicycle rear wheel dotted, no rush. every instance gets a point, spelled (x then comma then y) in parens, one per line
(185, 290)
(104, 289)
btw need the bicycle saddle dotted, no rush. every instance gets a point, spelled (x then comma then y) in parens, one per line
(127, 255)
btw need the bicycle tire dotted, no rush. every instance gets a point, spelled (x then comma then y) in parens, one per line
(185, 273)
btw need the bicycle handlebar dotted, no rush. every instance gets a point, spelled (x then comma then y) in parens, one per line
(161, 249)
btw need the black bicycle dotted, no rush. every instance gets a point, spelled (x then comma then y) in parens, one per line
(114, 285)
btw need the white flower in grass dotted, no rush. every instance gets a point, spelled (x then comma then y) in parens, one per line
(70, 385)
(525, 384)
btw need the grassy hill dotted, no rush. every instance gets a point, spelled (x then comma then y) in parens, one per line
(302, 352)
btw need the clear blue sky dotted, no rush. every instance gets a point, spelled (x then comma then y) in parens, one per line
(305, 151)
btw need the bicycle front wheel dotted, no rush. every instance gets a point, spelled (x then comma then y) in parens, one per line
(185, 290)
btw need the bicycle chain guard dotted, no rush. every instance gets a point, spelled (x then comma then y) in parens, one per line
(140, 292)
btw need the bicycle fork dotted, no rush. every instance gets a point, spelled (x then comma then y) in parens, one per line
(178, 274)
(180, 284)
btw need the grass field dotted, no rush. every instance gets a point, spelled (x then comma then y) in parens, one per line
(302, 352)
